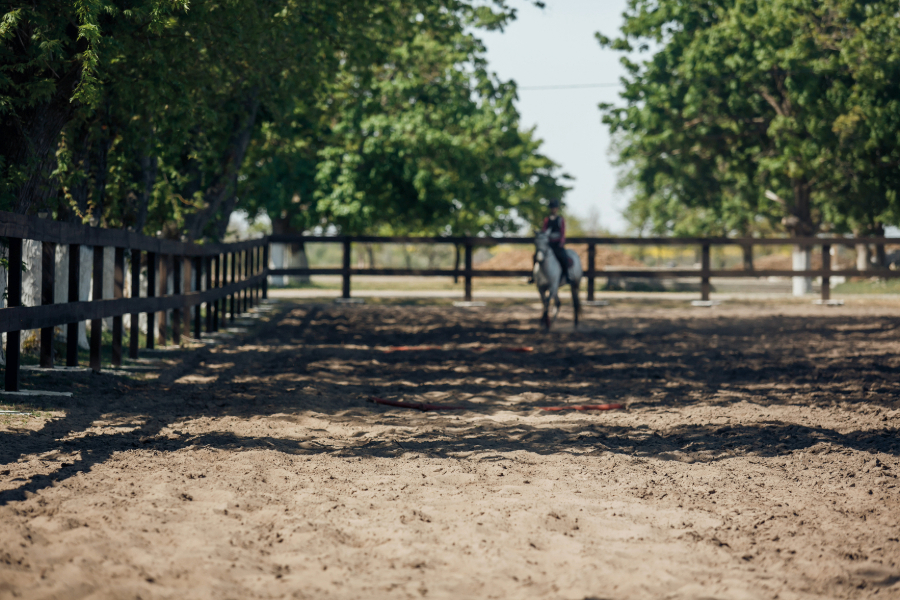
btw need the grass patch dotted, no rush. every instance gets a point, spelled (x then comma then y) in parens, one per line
(868, 286)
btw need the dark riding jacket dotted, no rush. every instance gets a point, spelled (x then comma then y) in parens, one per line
(556, 225)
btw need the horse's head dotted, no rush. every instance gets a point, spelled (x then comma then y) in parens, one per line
(542, 244)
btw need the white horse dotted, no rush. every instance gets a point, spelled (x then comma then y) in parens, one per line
(547, 275)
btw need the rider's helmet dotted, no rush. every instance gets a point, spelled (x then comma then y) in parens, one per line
(554, 203)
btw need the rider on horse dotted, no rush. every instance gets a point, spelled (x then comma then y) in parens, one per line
(550, 274)
(556, 225)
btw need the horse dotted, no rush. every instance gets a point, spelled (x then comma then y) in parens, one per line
(547, 275)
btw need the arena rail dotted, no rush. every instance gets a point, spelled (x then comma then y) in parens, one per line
(234, 274)
(704, 273)
(230, 278)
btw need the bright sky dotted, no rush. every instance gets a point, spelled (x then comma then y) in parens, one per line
(556, 46)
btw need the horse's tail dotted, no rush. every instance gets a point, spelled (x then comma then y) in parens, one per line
(576, 300)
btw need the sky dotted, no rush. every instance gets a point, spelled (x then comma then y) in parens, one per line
(555, 46)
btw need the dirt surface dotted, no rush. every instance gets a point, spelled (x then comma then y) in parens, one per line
(757, 458)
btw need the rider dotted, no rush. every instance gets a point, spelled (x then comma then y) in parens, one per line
(556, 225)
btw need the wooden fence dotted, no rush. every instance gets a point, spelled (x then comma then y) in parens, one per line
(223, 277)
(230, 278)
(466, 245)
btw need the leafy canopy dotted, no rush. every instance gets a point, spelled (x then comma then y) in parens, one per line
(758, 115)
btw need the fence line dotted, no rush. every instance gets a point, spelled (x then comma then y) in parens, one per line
(704, 273)
(235, 279)
(230, 278)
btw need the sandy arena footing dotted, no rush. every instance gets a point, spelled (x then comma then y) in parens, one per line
(756, 457)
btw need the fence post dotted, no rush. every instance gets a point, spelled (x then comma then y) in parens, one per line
(48, 285)
(254, 260)
(177, 280)
(208, 266)
(345, 269)
(233, 264)
(704, 272)
(251, 271)
(163, 325)
(72, 328)
(259, 266)
(265, 265)
(748, 257)
(217, 303)
(118, 292)
(97, 324)
(198, 262)
(135, 337)
(151, 293)
(468, 271)
(215, 284)
(13, 298)
(826, 266)
(246, 275)
(245, 293)
(186, 286)
(592, 261)
(223, 277)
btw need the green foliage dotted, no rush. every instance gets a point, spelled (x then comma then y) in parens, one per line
(167, 116)
(51, 62)
(753, 115)
(430, 143)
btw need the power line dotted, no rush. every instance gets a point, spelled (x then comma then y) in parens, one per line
(569, 87)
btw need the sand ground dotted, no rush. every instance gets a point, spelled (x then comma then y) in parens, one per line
(757, 457)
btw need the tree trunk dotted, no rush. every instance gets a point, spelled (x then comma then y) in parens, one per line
(870, 256)
(81, 190)
(863, 257)
(296, 259)
(880, 258)
(29, 139)
(221, 194)
(407, 257)
(293, 255)
(801, 261)
(799, 223)
(101, 173)
(277, 256)
(149, 166)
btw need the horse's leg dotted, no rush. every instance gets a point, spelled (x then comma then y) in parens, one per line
(545, 319)
(576, 301)
(554, 296)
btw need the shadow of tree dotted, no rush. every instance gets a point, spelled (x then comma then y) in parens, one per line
(300, 363)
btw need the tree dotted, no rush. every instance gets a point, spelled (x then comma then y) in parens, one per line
(50, 54)
(424, 140)
(161, 118)
(430, 142)
(742, 114)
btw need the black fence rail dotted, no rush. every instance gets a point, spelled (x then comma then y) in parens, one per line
(466, 245)
(226, 278)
